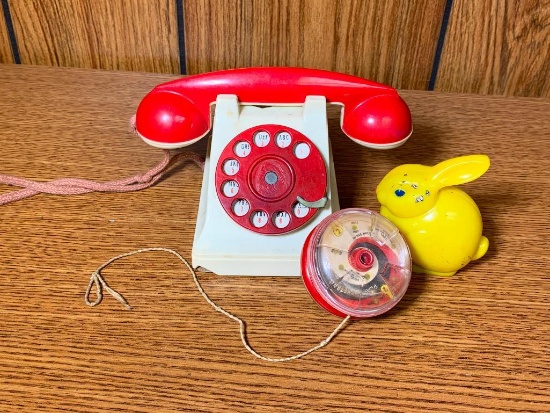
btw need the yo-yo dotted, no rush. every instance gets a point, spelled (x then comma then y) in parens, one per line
(356, 263)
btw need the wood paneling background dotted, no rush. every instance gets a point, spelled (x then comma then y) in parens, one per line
(497, 47)
(133, 35)
(486, 47)
(390, 41)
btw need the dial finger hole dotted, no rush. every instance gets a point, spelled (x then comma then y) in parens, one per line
(259, 219)
(302, 150)
(299, 210)
(281, 219)
(240, 207)
(261, 139)
(231, 167)
(283, 139)
(242, 149)
(230, 188)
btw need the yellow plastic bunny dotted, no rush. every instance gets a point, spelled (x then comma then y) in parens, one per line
(441, 223)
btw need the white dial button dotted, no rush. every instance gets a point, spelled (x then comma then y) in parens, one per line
(302, 150)
(300, 210)
(231, 167)
(242, 149)
(259, 219)
(240, 207)
(261, 139)
(282, 219)
(283, 139)
(230, 188)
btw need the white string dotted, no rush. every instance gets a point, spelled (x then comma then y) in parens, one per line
(100, 283)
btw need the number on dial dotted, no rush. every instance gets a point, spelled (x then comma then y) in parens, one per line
(242, 149)
(261, 139)
(282, 219)
(259, 219)
(300, 210)
(230, 188)
(302, 150)
(283, 139)
(240, 207)
(231, 167)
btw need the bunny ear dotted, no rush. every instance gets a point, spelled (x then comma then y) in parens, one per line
(460, 170)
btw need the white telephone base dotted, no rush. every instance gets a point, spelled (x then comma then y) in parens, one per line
(221, 245)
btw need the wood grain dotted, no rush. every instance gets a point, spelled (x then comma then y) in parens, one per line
(122, 35)
(6, 56)
(475, 342)
(388, 41)
(497, 47)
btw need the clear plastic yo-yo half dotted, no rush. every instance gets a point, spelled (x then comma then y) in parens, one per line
(355, 262)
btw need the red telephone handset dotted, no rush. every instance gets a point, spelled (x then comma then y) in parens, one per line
(177, 113)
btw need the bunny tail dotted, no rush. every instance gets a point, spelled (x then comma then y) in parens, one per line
(482, 248)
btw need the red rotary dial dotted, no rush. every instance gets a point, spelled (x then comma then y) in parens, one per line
(262, 172)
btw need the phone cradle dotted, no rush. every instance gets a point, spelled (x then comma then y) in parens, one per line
(268, 181)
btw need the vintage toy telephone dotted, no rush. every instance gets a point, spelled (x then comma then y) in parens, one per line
(269, 177)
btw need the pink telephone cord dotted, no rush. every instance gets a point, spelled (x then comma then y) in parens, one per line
(76, 186)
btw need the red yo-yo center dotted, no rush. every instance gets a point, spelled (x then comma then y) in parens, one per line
(361, 259)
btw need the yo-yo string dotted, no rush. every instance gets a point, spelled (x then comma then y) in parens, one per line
(97, 279)
(77, 186)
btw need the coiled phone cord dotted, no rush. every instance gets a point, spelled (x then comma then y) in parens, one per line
(76, 186)
(100, 284)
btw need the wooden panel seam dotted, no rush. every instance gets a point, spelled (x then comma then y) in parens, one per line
(180, 16)
(440, 42)
(9, 50)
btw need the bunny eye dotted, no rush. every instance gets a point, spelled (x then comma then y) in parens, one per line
(399, 192)
(427, 192)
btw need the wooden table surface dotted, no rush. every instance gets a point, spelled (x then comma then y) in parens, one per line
(475, 342)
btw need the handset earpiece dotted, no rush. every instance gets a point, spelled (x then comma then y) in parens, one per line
(169, 120)
(380, 122)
